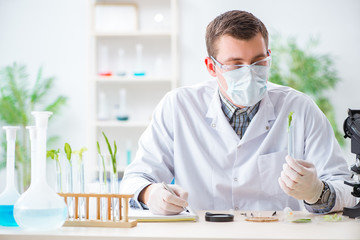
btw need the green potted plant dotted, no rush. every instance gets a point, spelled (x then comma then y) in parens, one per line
(309, 72)
(17, 100)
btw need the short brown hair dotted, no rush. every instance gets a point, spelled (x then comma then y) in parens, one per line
(238, 24)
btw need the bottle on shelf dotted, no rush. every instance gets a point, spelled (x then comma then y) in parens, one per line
(120, 68)
(139, 68)
(104, 68)
(103, 109)
(122, 113)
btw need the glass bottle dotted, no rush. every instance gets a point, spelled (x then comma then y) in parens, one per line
(40, 208)
(122, 114)
(139, 69)
(10, 195)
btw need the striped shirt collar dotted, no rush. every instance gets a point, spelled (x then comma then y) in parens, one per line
(229, 108)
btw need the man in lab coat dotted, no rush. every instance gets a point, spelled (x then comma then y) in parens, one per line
(225, 141)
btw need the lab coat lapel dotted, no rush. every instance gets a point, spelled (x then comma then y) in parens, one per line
(260, 124)
(218, 119)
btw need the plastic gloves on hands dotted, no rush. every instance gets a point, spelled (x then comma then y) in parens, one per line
(299, 180)
(163, 202)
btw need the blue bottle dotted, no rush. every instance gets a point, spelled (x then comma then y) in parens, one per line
(10, 195)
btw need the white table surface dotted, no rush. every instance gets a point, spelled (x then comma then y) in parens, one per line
(239, 229)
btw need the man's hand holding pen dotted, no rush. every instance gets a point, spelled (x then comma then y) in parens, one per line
(165, 199)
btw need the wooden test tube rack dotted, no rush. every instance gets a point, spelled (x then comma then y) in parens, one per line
(124, 221)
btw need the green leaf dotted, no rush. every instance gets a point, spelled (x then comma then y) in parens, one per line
(80, 153)
(103, 161)
(108, 144)
(68, 152)
(302, 220)
(53, 154)
(307, 71)
(332, 218)
(56, 105)
(98, 147)
(50, 154)
(113, 156)
(290, 120)
(17, 100)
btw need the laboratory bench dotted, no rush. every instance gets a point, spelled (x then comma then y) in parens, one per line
(238, 229)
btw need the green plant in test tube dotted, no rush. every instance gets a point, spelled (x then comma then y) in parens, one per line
(80, 153)
(54, 155)
(112, 154)
(114, 179)
(289, 120)
(102, 160)
(68, 152)
(81, 180)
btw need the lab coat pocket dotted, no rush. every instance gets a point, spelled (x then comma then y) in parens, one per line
(270, 167)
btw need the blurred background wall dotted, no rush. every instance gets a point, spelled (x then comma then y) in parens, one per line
(54, 34)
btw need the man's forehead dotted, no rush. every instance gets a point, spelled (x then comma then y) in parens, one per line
(237, 49)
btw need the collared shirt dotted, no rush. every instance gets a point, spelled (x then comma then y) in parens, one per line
(239, 118)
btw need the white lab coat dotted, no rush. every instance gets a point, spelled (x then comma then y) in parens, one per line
(189, 138)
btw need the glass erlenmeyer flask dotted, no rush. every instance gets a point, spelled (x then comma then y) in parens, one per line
(10, 195)
(40, 207)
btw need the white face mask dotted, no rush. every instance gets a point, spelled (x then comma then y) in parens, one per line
(246, 85)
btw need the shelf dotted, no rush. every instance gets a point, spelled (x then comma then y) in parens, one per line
(143, 93)
(112, 123)
(115, 79)
(133, 34)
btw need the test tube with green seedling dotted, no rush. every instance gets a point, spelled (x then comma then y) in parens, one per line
(81, 181)
(54, 154)
(290, 130)
(69, 178)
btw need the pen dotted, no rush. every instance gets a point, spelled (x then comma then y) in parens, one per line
(172, 192)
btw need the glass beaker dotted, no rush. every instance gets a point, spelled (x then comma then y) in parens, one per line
(40, 207)
(10, 195)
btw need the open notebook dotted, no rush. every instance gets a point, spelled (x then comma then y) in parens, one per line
(147, 216)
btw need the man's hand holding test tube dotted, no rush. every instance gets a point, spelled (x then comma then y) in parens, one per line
(299, 178)
(166, 199)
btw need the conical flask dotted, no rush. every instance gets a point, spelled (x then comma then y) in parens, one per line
(40, 208)
(10, 195)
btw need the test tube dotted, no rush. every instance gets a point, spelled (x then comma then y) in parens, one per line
(291, 140)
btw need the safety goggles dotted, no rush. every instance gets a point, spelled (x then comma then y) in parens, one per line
(266, 62)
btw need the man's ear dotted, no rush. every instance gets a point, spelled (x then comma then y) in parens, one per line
(210, 66)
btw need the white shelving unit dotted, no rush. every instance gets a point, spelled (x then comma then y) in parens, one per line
(160, 60)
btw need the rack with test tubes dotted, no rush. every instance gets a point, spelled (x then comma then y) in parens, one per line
(110, 220)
